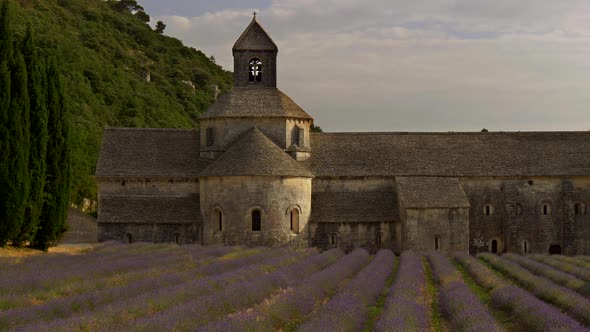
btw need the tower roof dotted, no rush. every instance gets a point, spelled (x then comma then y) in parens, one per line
(254, 154)
(255, 38)
(255, 102)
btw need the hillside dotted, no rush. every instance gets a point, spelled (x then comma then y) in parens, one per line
(104, 55)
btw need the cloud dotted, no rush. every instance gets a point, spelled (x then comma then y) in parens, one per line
(420, 65)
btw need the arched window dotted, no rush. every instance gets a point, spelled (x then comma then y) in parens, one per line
(488, 210)
(295, 221)
(219, 218)
(379, 238)
(333, 239)
(437, 243)
(295, 136)
(546, 209)
(256, 220)
(128, 238)
(255, 71)
(518, 209)
(526, 247)
(176, 238)
(579, 208)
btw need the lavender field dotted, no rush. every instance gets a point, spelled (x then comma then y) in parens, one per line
(147, 287)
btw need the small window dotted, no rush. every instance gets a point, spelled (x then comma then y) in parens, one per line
(219, 218)
(295, 135)
(210, 139)
(526, 247)
(294, 218)
(488, 210)
(255, 71)
(176, 238)
(579, 208)
(518, 209)
(123, 182)
(256, 220)
(546, 209)
(436, 243)
(333, 239)
(379, 238)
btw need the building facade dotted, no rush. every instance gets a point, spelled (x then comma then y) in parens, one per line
(255, 174)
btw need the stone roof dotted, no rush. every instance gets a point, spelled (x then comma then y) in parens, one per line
(146, 153)
(150, 209)
(255, 38)
(255, 101)
(254, 154)
(354, 207)
(431, 192)
(450, 154)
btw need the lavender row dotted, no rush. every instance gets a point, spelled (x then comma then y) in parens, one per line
(77, 268)
(573, 303)
(563, 278)
(484, 277)
(566, 264)
(406, 306)
(293, 304)
(531, 313)
(196, 313)
(119, 272)
(354, 300)
(458, 303)
(155, 291)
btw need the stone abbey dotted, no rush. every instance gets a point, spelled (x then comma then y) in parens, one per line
(256, 174)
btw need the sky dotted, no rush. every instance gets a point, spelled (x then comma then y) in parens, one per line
(420, 65)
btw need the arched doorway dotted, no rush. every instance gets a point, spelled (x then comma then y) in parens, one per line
(555, 249)
(494, 246)
(128, 238)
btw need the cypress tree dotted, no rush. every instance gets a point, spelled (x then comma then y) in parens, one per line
(5, 59)
(39, 137)
(15, 126)
(52, 222)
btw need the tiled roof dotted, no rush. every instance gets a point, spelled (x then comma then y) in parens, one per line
(130, 152)
(255, 38)
(254, 154)
(150, 209)
(354, 207)
(450, 154)
(255, 101)
(431, 192)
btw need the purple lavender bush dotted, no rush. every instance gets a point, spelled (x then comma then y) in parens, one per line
(547, 271)
(293, 304)
(150, 296)
(567, 264)
(458, 303)
(484, 277)
(571, 302)
(406, 306)
(348, 310)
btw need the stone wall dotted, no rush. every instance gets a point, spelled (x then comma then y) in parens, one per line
(371, 236)
(422, 228)
(238, 196)
(155, 233)
(519, 219)
(82, 228)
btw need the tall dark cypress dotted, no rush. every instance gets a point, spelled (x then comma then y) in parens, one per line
(5, 88)
(57, 186)
(39, 138)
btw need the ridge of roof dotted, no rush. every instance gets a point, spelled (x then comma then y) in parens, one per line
(244, 43)
(151, 129)
(254, 154)
(353, 133)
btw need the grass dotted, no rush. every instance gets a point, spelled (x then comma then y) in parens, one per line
(376, 310)
(436, 321)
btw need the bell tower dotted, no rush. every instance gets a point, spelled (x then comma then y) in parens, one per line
(255, 58)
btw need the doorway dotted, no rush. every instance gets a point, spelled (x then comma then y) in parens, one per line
(494, 246)
(555, 249)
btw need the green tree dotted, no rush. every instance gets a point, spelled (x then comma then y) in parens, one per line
(5, 88)
(15, 126)
(52, 222)
(39, 137)
(160, 26)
